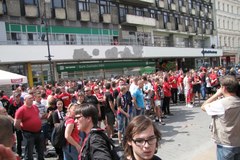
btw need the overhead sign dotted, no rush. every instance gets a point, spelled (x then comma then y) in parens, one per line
(106, 65)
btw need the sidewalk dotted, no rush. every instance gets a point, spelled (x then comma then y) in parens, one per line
(186, 135)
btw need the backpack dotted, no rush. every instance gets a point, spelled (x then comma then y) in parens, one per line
(58, 135)
(115, 154)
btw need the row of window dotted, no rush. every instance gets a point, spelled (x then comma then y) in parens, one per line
(228, 8)
(226, 41)
(131, 38)
(105, 6)
(231, 24)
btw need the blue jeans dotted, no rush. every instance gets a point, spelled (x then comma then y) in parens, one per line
(203, 90)
(140, 112)
(31, 140)
(70, 152)
(121, 123)
(226, 153)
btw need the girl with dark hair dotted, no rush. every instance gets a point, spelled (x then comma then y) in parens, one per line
(141, 139)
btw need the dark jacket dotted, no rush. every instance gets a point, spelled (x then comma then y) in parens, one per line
(96, 147)
(153, 158)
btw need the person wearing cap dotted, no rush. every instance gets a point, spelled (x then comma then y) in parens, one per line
(4, 101)
(16, 104)
(27, 119)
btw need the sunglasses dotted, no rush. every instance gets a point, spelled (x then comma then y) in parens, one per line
(77, 117)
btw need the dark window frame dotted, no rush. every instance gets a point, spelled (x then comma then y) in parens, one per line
(30, 2)
(62, 4)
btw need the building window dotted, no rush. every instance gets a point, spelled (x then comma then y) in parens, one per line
(228, 8)
(181, 3)
(232, 26)
(83, 5)
(166, 19)
(186, 21)
(104, 7)
(30, 2)
(228, 25)
(225, 41)
(58, 3)
(220, 41)
(232, 9)
(223, 6)
(138, 11)
(219, 6)
(4, 7)
(152, 14)
(223, 24)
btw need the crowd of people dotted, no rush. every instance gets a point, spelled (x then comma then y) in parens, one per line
(126, 105)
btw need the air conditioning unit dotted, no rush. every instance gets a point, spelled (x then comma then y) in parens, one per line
(183, 9)
(169, 26)
(60, 13)
(106, 18)
(31, 11)
(193, 12)
(161, 4)
(201, 14)
(85, 16)
(173, 7)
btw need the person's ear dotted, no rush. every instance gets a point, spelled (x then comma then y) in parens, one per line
(129, 143)
(13, 139)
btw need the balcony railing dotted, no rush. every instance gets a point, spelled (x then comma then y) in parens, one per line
(158, 42)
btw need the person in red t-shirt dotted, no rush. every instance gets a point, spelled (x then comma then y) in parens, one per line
(66, 97)
(167, 96)
(73, 148)
(173, 83)
(27, 119)
(214, 80)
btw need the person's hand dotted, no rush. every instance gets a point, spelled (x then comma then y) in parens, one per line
(6, 153)
(78, 147)
(219, 92)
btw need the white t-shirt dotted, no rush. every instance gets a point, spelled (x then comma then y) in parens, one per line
(215, 108)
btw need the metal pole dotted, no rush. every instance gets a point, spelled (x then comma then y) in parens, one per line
(48, 46)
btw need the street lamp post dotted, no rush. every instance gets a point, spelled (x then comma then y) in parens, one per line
(49, 56)
(203, 52)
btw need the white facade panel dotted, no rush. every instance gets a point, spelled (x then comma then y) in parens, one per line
(139, 20)
(22, 53)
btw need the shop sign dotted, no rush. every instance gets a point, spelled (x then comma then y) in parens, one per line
(209, 52)
(106, 65)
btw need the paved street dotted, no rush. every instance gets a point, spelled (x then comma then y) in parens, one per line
(185, 136)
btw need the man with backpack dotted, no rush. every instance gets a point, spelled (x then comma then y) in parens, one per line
(96, 145)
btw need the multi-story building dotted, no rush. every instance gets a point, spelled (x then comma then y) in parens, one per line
(103, 38)
(228, 30)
